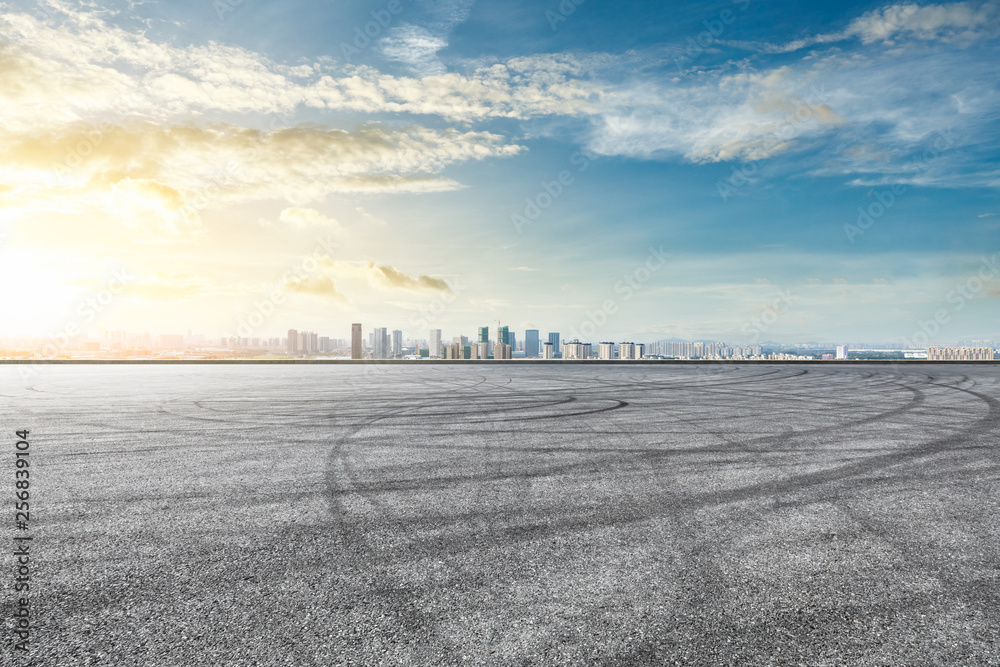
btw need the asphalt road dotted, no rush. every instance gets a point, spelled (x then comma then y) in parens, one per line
(820, 514)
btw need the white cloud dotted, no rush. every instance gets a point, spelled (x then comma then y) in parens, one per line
(385, 277)
(85, 68)
(960, 22)
(308, 217)
(166, 174)
(415, 47)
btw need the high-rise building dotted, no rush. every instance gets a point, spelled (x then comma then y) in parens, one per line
(606, 351)
(629, 351)
(548, 351)
(356, 352)
(381, 343)
(314, 343)
(576, 350)
(484, 335)
(434, 344)
(304, 340)
(503, 349)
(483, 350)
(293, 342)
(554, 339)
(841, 352)
(531, 343)
(397, 344)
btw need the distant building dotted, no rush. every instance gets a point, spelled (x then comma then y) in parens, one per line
(548, 351)
(503, 335)
(434, 345)
(554, 339)
(842, 352)
(501, 351)
(629, 351)
(356, 351)
(960, 354)
(293, 342)
(172, 341)
(605, 350)
(381, 343)
(397, 344)
(484, 335)
(531, 343)
(576, 350)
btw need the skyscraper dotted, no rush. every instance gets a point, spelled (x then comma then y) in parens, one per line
(293, 342)
(434, 345)
(531, 343)
(502, 349)
(554, 339)
(484, 335)
(381, 343)
(355, 341)
(397, 344)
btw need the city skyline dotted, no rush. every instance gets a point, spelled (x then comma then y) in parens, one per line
(650, 172)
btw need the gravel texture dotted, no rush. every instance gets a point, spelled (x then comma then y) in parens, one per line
(824, 514)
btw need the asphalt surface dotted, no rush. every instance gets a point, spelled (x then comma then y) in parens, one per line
(820, 514)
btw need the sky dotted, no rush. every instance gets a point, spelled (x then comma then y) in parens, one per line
(741, 170)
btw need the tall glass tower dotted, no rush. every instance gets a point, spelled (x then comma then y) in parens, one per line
(531, 343)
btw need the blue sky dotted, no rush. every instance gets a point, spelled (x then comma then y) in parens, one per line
(842, 155)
